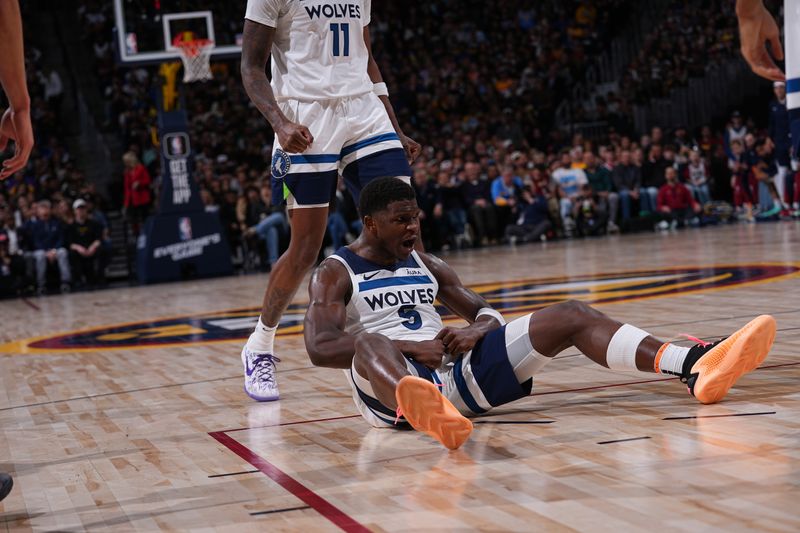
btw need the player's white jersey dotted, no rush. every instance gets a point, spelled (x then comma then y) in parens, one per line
(319, 50)
(394, 301)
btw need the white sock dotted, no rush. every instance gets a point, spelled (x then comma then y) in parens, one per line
(670, 359)
(262, 338)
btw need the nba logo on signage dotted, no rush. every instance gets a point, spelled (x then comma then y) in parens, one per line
(185, 228)
(176, 145)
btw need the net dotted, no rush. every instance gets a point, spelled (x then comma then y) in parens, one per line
(196, 57)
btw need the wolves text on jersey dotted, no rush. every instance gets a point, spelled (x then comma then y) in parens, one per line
(400, 297)
(334, 10)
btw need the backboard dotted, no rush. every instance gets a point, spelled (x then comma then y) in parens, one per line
(145, 28)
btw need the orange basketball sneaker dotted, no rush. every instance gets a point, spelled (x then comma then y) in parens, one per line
(428, 411)
(710, 370)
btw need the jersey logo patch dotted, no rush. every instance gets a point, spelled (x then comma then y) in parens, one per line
(281, 163)
(366, 277)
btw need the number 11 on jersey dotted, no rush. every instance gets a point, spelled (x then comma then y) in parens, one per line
(345, 28)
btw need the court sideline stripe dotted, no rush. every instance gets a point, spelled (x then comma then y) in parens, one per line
(234, 473)
(719, 416)
(258, 513)
(300, 491)
(622, 440)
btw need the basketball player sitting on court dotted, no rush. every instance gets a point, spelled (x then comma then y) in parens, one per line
(331, 114)
(372, 313)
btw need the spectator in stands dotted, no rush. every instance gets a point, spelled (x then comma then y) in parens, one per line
(569, 181)
(47, 245)
(85, 239)
(652, 177)
(674, 202)
(478, 196)
(602, 185)
(781, 138)
(590, 215)
(12, 264)
(137, 191)
(271, 225)
(533, 222)
(765, 171)
(343, 220)
(11, 269)
(450, 201)
(742, 181)
(627, 181)
(697, 177)
(506, 193)
(736, 129)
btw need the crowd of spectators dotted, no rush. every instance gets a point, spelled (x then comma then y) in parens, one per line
(50, 216)
(495, 167)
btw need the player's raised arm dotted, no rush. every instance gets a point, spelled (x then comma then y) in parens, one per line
(411, 146)
(327, 343)
(465, 303)
(256, 45)
(16, 121)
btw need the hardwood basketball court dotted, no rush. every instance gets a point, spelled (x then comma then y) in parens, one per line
(139, 421)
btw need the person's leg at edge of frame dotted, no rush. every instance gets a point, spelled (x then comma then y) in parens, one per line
(6, 483)
(708, 369)
(258, 355)
(417, 400)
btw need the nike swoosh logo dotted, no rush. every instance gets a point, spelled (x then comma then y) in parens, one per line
(372, 276)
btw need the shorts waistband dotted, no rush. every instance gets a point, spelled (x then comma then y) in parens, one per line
(323, 101)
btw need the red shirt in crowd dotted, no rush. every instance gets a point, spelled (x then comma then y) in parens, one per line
(137, 186)
(675, 196)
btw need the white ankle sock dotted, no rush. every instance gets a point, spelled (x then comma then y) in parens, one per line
(670, 359)
(262, 338)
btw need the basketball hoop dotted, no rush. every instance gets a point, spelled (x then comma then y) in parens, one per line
(196, 57)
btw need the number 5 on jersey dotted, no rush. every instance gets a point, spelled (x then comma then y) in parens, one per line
(345, 29)
(412, 318)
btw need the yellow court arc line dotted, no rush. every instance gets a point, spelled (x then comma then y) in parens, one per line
(23, 346)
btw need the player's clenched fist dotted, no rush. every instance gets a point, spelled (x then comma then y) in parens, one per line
(459, 340)
(411, 147)
(429, 353)
(294, 138)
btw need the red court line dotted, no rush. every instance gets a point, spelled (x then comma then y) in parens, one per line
(309, 497)
(323, 506)
(31, 304)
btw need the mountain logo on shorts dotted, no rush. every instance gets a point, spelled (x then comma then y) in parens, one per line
(281, 163)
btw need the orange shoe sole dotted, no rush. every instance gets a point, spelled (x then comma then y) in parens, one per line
(735, 356)
(428, 411)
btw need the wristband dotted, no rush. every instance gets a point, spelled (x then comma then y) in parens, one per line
(492, 313)
(380, 89)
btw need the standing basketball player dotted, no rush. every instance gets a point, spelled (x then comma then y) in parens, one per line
(16, 122)
(372, 314)
(330, 111)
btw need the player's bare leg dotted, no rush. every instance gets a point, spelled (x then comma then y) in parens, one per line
(419, 401)
(308, 231)
(709, 369)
